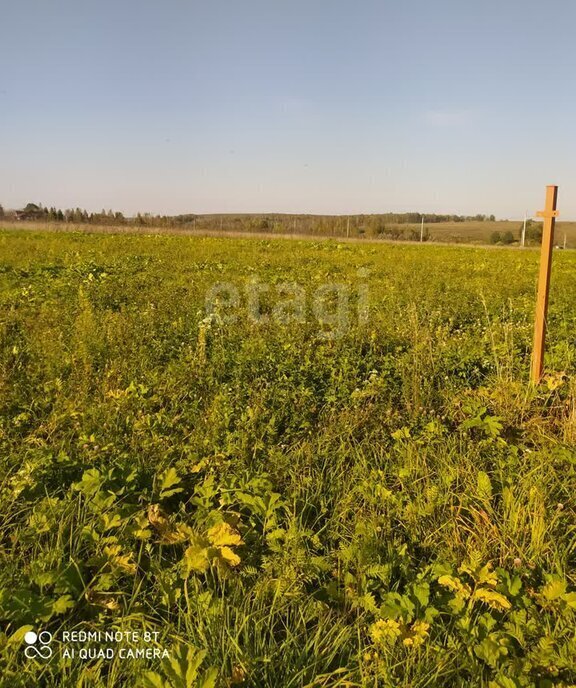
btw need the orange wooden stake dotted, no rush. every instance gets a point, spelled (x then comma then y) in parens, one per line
(549, 214)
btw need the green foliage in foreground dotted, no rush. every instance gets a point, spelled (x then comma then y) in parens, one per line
(391, 507)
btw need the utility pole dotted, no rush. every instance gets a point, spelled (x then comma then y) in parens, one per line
(549, 214)
(564, 239)
(348, 227)
(524, 229)
(422, 230)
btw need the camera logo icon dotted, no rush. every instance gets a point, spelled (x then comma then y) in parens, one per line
(38, 644)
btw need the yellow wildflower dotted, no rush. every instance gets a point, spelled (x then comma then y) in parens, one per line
(419, 631)
(417, 634)
(385, 631)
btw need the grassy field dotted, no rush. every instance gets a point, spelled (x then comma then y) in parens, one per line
(361, 228)
(283, 464)
(480, 232)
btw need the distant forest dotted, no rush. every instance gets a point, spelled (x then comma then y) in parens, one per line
(383, 225)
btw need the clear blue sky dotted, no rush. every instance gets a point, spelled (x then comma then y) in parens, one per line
(327, 106)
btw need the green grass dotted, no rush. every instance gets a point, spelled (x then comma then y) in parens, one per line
(360, 228)
(393, 506)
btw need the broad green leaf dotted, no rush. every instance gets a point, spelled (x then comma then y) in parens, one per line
(484, 486)
(492, 598)
(111, 521)
(177, 534)
(90, 483)
(504, 682)
(153, 680)
(196, 559)
(421, 593)
(168, 479)
(456, 585)
(223, 535)
(554, 588)
(230, 557)
(208, 678)
(486, 576)
(515, 585)
(63, 604)
(490, 651)
(120, 561)
(181, 668)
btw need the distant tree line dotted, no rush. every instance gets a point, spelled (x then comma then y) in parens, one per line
(38, 212)
(413, 218)
(397, 226)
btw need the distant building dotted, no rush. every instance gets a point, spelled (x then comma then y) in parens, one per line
(30, 212)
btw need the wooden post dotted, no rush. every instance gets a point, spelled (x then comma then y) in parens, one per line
(549, 214)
